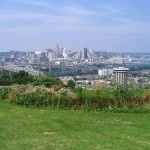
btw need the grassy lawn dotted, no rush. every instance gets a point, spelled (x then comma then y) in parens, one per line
(36, 129)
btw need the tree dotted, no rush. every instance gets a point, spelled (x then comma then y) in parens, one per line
(47, 81)
(22, 77)
(5, 78)
(71, 84)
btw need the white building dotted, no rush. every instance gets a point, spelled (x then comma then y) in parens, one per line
(105, 72)
(65, 53)
(51, 56)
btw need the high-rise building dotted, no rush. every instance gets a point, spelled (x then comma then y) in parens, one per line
(84, 53)
(50, 54)
(56, 50)
(33, 57)
(48, 51)
(120, 75)
(65, 53)
(79, 54)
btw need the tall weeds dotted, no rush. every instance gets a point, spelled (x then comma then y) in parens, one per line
(98, 99)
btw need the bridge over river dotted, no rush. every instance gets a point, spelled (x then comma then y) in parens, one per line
(36, 69)
(15, 68)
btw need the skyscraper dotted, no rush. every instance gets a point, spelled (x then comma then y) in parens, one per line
(56, 50)
(50, 54)
(65, 53)
(84, 53)
(121, 75)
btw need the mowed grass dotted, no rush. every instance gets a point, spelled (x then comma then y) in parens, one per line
(45, 129)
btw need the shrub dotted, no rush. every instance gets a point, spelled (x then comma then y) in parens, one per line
(113, 99)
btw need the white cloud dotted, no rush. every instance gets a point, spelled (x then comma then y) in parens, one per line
(41, 17)
(56, 23)
(113, 9)
(71, 23)
(78, 11)
(43, 3)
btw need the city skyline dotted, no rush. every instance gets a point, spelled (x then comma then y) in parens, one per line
(106, 25)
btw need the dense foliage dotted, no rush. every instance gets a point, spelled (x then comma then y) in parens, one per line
(139, 68)
(5, 79)
(24, 78)
(98, 99)
(24, 89)
(71, 84)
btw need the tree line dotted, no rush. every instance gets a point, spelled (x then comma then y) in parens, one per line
(22, 77)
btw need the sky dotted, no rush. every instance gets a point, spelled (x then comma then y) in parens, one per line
(101, 25)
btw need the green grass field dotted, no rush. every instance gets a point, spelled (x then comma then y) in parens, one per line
(45, 129)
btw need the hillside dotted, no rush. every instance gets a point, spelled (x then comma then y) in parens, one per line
(31, 128)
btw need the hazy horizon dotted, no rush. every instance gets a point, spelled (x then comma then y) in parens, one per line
(101, 25)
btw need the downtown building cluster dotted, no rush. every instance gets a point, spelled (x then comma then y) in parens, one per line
(63, 62)
(61, 53)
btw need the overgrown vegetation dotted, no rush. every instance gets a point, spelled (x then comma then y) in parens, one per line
(22, 89)
(24, 78)
(96, 99)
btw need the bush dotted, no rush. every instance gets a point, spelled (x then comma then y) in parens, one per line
(113, 99)
(21, 77)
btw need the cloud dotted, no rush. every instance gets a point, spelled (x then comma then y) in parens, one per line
(78, 11)
(72, 22)
(43, 3)
(113, 9)
(60, 23)
(39, 17)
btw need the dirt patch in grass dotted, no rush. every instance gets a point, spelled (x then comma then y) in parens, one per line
(48, 133)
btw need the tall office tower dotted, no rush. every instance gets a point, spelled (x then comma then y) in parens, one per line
(79, 54)
(50, 54)
(56, 50)
(48, 51)
(121, 75)
(91, 53)
(31, 55)
(65, 53)
(84, 53)
(42, 57)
